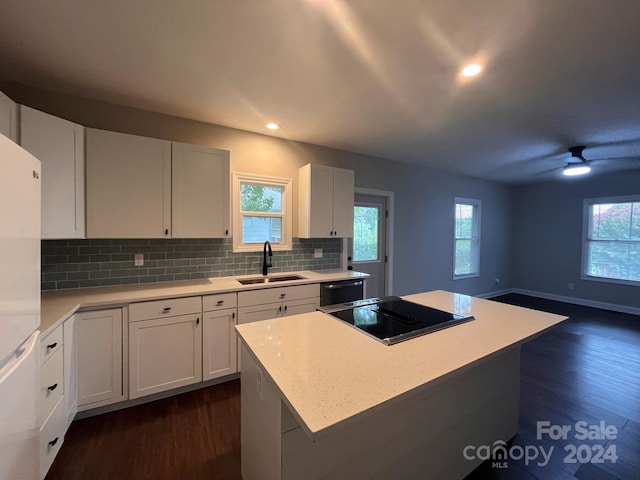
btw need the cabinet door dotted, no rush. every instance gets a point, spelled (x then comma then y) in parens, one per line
(8, 117)
(304, 305)
(59, 145)
(70, 372)
(99, 358)
(315, 201)
(255, 313)
(164, 353)
(343, 201)
(128, 186)
(219, 343)
(199, 191)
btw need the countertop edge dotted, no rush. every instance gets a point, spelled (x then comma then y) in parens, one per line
(58, 306)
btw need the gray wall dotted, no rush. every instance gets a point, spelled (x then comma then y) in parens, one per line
(424, 198)
(547, 237)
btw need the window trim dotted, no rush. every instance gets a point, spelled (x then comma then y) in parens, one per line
(476, 228)
(286, 242)
(586, 206)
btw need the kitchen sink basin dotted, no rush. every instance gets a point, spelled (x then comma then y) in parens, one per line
(279, 278)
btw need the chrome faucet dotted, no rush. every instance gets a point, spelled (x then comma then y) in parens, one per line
(266, 264)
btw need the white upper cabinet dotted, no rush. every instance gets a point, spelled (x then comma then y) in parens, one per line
(59, 145)
(199, 191)
(139, 187)
(8, 117)
(128, 186)
(325, 202)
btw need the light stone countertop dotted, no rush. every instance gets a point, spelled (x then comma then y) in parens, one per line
(328, 373)
(58, 305)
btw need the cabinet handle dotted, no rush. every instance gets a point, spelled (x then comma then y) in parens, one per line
(53, 442)
(280, 308)
(220, 303)
(197, 321)
(52, 345)
(166, 231)
(233, 315)
(52, 387)
(285, 308)
(166, 309)
(226, 232)
(283, 295)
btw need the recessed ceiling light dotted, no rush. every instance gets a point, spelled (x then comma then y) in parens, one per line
(471, 70)
(273, 126)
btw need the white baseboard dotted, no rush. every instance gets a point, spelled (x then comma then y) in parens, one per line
(562, 298)
(497, 293)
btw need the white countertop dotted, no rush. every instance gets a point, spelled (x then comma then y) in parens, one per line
(328, 373)
(58, 305)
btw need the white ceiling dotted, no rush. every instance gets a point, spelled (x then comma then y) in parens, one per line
(378, 77)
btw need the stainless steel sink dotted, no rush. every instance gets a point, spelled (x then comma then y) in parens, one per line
(279, 278)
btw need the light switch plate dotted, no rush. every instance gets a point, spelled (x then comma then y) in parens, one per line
(138, 260)
(317, 253)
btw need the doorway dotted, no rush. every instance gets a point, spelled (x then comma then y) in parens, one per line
(368, 250)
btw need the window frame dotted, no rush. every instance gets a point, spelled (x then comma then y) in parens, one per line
(475, 236)
(286, 242)
(586, 230)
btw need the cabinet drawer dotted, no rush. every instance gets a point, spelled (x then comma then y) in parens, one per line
(51, 385)
(51, 438)
(170, 307)
(279, 294)
(219, 302)
(50, 344)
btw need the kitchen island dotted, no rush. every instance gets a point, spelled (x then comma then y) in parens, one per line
(322, 400)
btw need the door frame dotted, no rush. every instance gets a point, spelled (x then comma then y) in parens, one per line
(388, 269)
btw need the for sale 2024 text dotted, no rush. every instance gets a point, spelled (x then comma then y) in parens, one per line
(582, 431)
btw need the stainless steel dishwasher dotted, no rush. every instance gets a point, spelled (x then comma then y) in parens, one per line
(341, 291)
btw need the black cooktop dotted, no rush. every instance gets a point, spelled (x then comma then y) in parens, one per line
(392, 319)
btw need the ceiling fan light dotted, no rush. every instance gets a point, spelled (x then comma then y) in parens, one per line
(576, 169)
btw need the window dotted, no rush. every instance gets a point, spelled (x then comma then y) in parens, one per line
(261, 211)
(466, 256)
(611, 250)
(365, 233)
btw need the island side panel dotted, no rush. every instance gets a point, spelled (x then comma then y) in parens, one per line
(425, 434)
(260, 422)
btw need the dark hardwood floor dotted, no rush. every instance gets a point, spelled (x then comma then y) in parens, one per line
(587, 369)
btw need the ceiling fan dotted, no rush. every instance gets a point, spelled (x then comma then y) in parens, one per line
(580, 167)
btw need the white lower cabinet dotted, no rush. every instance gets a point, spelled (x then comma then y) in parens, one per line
(100, 358)
(51, 437)
(70, 371)
(219, 344)
(166, 352)
(51, 398)
(265, 304)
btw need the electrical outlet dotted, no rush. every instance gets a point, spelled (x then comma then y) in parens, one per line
(317, 253)
(138, 260)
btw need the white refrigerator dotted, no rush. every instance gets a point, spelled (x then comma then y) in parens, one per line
(19, 311)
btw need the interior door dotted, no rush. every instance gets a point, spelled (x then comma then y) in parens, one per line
(367, 250)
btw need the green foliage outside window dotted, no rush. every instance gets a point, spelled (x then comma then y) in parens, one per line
(365, 234)
(614, 241)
